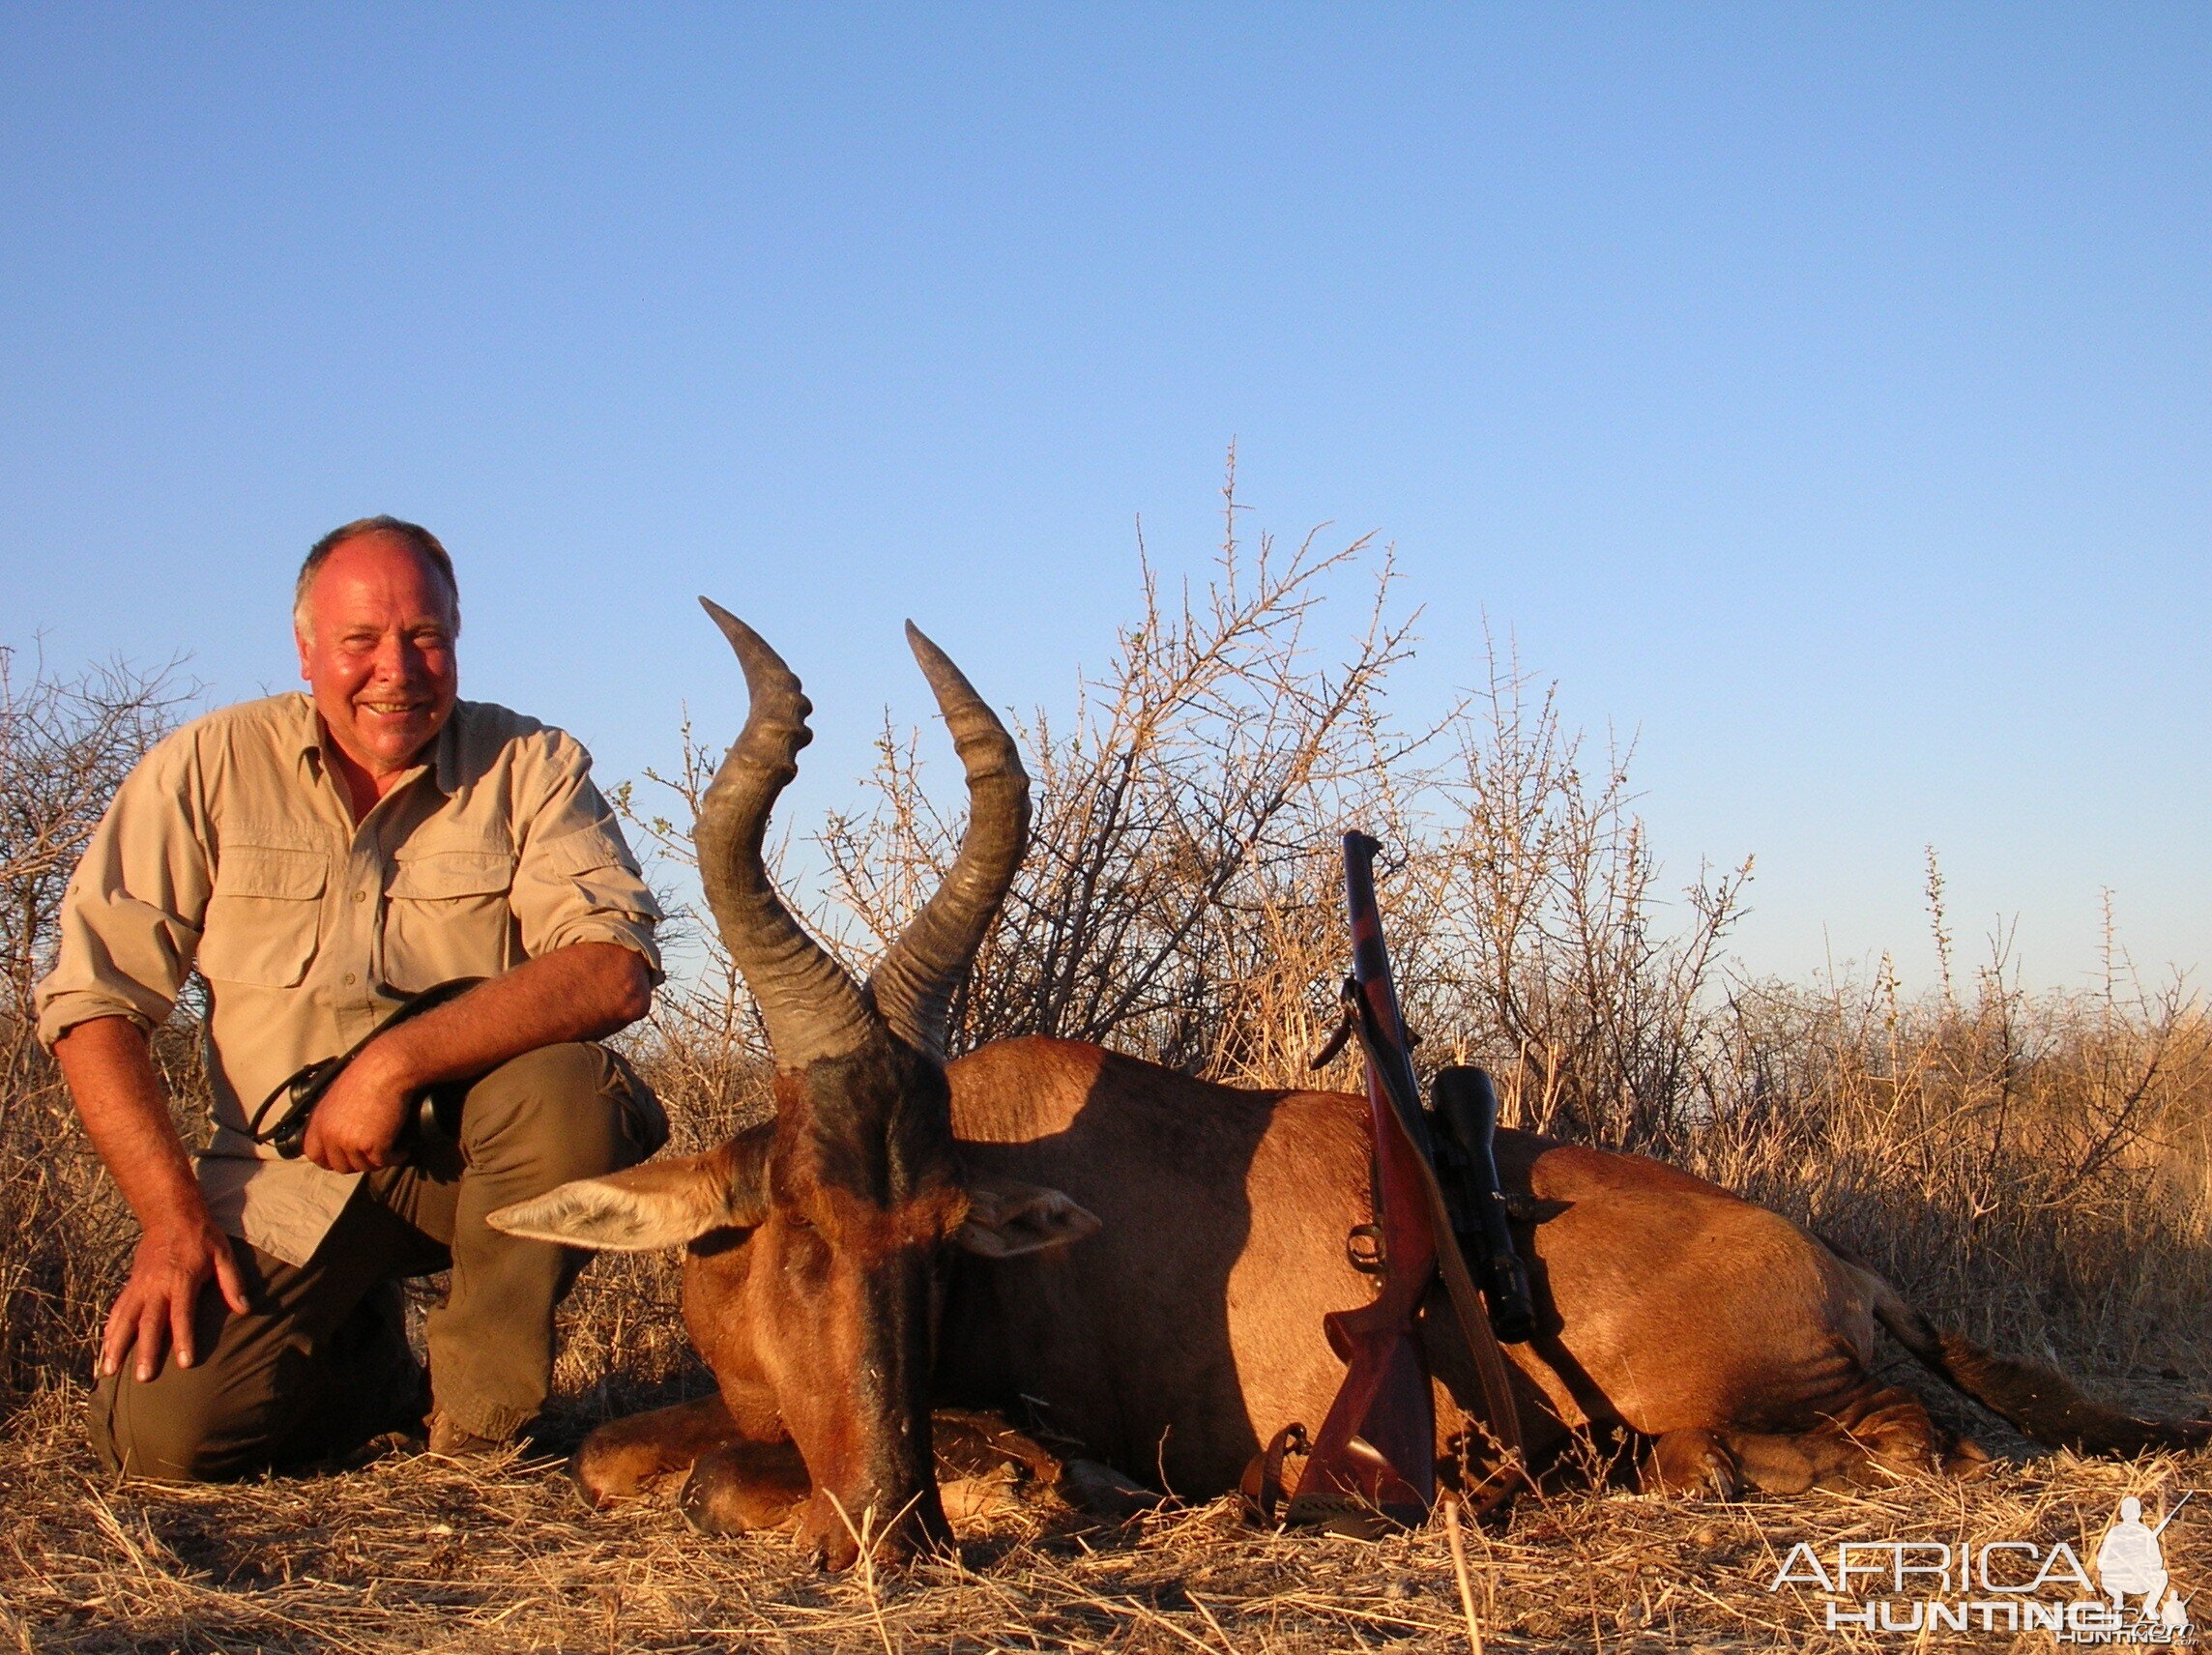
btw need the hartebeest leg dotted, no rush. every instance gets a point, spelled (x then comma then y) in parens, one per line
(738, 1483)
(1876, 1436)
(622, 1457)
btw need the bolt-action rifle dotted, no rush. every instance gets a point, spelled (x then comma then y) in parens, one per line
(1375, 1455)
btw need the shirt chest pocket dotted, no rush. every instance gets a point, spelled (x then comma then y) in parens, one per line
(446, 916)
(264, 916)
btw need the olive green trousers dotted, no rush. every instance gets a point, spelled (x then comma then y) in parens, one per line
(320, 1362)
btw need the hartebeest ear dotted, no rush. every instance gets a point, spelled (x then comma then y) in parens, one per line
(1007, 1218)
(662, 1204)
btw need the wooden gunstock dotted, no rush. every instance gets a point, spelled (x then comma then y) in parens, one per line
(1375, 1455)
(1375, 1451)
(1374, 1460)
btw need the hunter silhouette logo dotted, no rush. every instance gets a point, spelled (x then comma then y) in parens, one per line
(2004, 1586)
(2131, 1564)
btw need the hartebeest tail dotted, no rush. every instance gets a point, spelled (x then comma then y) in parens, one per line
(2038, 1402)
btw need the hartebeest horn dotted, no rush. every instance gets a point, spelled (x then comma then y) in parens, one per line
(913, 983)
(811, 1007)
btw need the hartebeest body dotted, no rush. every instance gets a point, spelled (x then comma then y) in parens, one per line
(1148, 1258)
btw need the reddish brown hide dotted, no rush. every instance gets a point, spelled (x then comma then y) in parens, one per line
(1173, 1342)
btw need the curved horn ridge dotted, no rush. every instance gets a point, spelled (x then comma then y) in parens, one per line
(810, 1005)
(913, 983)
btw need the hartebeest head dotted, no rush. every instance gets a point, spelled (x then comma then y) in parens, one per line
(811, 1287)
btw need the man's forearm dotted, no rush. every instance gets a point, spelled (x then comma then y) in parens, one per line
(584, 991)
(110, 1075)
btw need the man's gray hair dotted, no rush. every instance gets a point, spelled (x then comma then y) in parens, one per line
(424, 542)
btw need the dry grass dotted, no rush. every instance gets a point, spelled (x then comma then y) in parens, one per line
(411, 1553)
(2035, 1170)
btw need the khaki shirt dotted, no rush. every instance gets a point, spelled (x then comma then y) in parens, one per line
(232, 845)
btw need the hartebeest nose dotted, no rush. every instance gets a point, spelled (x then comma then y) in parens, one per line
(836, 1534)
(876, 1484)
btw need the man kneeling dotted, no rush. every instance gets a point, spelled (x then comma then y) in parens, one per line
(322, 858)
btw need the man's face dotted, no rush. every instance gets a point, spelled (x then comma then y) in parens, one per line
(379, 651)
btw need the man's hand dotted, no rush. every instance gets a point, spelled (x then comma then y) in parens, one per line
(356, 1125)
(111, 1077)
(156, 1303)
(583, 992)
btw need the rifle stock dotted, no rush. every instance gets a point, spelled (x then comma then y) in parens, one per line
(1374, 1459)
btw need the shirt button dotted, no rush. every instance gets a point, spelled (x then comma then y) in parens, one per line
(361, 896)
(349, 979)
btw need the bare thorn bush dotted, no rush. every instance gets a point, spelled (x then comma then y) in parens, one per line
(65, 744)
(1181, 811)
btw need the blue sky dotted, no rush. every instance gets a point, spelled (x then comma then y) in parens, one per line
(1823, 394)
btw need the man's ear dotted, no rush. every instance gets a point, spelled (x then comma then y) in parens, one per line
(1007, 1218)
(662, 1204)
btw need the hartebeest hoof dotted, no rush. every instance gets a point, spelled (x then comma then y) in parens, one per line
(1103, 1492)
(1691, 1462)
(1965, 1459)
(1887, 1435)
(971, 1444)
(1773, 1465)
(744, 1486)
(983, 1465)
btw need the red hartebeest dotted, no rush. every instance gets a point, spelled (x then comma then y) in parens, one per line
(1148, 1257)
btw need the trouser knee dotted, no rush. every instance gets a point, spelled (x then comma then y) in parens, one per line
(186, 1425)
(168, 1443)
(273, 1388)
(572, 1110)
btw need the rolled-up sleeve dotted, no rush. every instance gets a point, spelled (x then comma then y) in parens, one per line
(575, 879)
(130, 918)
